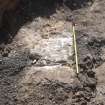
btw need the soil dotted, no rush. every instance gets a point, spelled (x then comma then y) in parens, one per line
(16, 61)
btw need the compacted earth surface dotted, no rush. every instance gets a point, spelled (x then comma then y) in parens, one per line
(37, 65)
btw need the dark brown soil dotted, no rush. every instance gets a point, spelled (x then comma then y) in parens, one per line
(89, 85)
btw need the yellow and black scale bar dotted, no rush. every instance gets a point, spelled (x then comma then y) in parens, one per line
(75, 47)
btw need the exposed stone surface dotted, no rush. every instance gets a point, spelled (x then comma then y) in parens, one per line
(52, 41)
(58, 49)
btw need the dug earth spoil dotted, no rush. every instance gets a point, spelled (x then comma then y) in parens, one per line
(37, 60)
